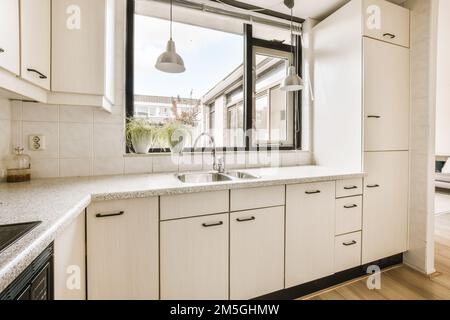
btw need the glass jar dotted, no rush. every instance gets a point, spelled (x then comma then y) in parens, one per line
(18, 167)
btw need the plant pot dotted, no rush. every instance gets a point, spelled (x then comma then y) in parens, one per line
(141, 146)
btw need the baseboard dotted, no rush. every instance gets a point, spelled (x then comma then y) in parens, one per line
(330, 281)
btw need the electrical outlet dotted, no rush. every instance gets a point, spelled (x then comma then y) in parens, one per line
(36, 142)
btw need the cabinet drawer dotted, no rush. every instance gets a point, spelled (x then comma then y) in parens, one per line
(386, 21)
(347, 251)
(348, 188)
(348, 215)
(194, 204)
(253, 198)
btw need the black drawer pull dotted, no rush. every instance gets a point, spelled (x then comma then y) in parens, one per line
(390, 35)
(41, 75)
(245, 219)
(312, 192)
(2, 50)
(351, 207)
(351, 188)
(373, 186)
(374, 117)
(351, 243)
(106, 215)
(216, 224)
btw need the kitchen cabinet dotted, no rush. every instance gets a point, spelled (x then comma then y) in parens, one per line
(83, 33)
(310, 224)
(70, 261)
(347, 251)
(386, 21)
(252, 198)
(386, 96)
(348, 215)
(385, 213)
(9, 36)
(122, 249)
(194, 258)
(35, 41)
(256, 252)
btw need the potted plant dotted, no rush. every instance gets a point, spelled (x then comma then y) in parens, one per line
(140, 135)
(173, 135)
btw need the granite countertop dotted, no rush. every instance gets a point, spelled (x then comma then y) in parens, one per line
(57, 202)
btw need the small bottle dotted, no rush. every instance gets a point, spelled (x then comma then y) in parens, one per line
(18, 167)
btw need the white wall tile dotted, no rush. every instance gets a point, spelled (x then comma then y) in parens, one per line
(117, 116)
(138, 165)
(76, 140)
(44, 168)
(39, 112)
(16, 110)
(49, 130)
(5, 109)
(76, 167)
(16, 134)
(165, 163)
(109, 140)
(191, 162)
(107, 166)
(76, 114)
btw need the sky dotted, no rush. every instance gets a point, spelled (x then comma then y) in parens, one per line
(209, 56)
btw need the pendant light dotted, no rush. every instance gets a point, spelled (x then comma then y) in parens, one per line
(292, 82)
(169, 61)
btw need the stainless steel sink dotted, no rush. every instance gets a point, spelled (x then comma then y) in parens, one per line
(206, 177)
(241, 175)
(202, 177)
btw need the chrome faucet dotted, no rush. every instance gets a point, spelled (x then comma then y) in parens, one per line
(218, 163)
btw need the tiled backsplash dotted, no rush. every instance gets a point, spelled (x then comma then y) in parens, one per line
(5, 134)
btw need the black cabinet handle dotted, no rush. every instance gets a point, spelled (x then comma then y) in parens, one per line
(390, 35)
(373, 117)
(351, 243)
(106, 215)
(246, 219)
(312, 192)
(2, 50)
(41, 75)
(207, 225)
(351, 207)
(351, 188)
(373, 186)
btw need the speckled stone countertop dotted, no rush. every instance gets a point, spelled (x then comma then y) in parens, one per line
(57, 202)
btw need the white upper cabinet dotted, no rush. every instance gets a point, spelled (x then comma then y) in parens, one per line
(386, 96)
(35, 41)
(386, 21)
(83, 47)
(9, 36)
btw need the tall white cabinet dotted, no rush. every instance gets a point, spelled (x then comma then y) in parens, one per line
(362, 113)
(9, 36)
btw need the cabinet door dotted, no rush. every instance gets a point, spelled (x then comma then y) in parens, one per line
(309, 232)
(122, 249)
(35, 23)
(385, 212)
(9, 35)
(386, 96)
(194, 258)
(386, 21)
(256, 252)
(78, 36)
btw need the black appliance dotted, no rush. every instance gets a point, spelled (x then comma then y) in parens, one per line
(13, 232)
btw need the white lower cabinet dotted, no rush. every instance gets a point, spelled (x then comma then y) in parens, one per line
(256, 252)
(385, 212)
(122, 249)
(194, 258)
(347, 251)
(310, 225)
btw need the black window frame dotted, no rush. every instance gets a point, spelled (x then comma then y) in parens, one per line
(249, 43)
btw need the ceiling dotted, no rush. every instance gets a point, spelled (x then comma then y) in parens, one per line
(316, 9)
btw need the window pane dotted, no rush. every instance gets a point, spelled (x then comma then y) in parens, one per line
(273, 107)
(187, 97)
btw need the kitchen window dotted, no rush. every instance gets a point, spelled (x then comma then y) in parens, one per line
(230, 94)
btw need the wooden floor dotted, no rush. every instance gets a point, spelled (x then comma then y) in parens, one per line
(402, 282)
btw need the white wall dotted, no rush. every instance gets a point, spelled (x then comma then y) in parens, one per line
(443, 81)
(423, 85)
(5, 134)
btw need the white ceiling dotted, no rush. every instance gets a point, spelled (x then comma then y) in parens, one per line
(317, 9)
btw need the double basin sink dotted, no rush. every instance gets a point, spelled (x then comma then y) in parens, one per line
(206, 177)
